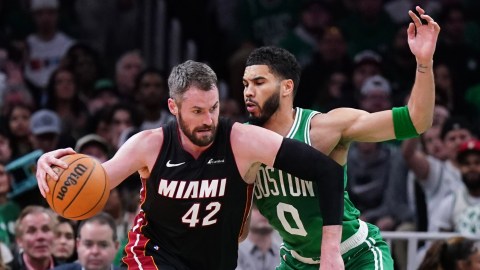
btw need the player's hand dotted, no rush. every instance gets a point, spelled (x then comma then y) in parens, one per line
(44, 167)
(331, 261)
(422, 38)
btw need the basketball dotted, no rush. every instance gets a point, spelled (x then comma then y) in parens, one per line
(81, 190)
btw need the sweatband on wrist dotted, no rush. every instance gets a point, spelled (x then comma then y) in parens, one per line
(305, 162)
(402, 123)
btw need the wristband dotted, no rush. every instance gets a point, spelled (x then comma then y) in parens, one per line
(402, 123)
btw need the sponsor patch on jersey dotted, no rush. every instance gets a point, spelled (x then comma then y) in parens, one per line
(215, 161)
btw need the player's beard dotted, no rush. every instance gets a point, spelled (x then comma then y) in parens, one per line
(472, 181)
(266, 111)
(192, 134)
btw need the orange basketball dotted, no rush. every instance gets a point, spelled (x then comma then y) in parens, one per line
(81, 190)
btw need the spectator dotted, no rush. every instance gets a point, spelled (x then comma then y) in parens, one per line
(375, 94)
(259, 23)
(368, 27)
(330, 57)
(445, 92)
(15, 95)
(457, 253)
(86, 66)
(46, 46)
(116, 207)
(455, 50)
(461, 209)
(5, 146)
(399, 66)
(34, 236)
(260, 251)
(121, 117)
(9, 210)
(99, 123)
(369, 169)
(104, 95)
(127, 69)
(301, 41)
(96, 244)
(93, 145)
(151, 93)
(64, 249)
(19, 128)
(64, 99)
(45, 130)
(438, 178)
(366, 64)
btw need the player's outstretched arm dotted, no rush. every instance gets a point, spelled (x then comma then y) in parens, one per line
(417, 116)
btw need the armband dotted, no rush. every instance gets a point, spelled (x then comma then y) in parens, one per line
(402, 123)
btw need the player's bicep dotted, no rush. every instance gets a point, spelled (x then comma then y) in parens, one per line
(252, 144)
(132, 156)
(368, 127)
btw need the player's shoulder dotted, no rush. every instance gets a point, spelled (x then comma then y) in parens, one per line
(149, 136)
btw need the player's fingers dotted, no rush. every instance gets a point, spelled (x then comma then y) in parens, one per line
(420, 10)
(50, 172)
(41, 188)
(415, 18)
(411, 31)
(42, 184)
(53, 160)
(427, 18)
(63, 152)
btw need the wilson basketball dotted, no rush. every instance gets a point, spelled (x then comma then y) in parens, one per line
(81, 190)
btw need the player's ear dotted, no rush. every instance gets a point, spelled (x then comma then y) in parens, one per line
(172, 106)
(287, 87)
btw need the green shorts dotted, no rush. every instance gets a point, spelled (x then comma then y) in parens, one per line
(372, 254)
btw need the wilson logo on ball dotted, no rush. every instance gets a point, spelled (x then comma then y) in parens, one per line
(71, 180)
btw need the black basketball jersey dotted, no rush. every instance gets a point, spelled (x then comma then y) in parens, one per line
(193, 209)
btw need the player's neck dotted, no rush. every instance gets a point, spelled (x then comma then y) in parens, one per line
(192, 148)
(281, 121)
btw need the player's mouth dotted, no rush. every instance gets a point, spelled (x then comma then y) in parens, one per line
(204, 131)
(251, 106)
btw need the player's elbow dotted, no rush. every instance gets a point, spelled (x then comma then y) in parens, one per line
(421, 120)
(423, 125)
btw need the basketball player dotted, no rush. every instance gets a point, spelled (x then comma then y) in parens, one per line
(271, 78)
(198, 174)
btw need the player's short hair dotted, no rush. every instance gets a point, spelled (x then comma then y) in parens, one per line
(188, 74)
(279, 61)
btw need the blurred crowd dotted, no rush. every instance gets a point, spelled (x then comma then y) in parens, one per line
(89, 74)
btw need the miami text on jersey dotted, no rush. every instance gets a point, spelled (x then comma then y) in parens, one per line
(187, 189)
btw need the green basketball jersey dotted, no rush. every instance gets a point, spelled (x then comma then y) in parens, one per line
(291, 206)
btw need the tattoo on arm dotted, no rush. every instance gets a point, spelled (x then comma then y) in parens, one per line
(422, 68)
